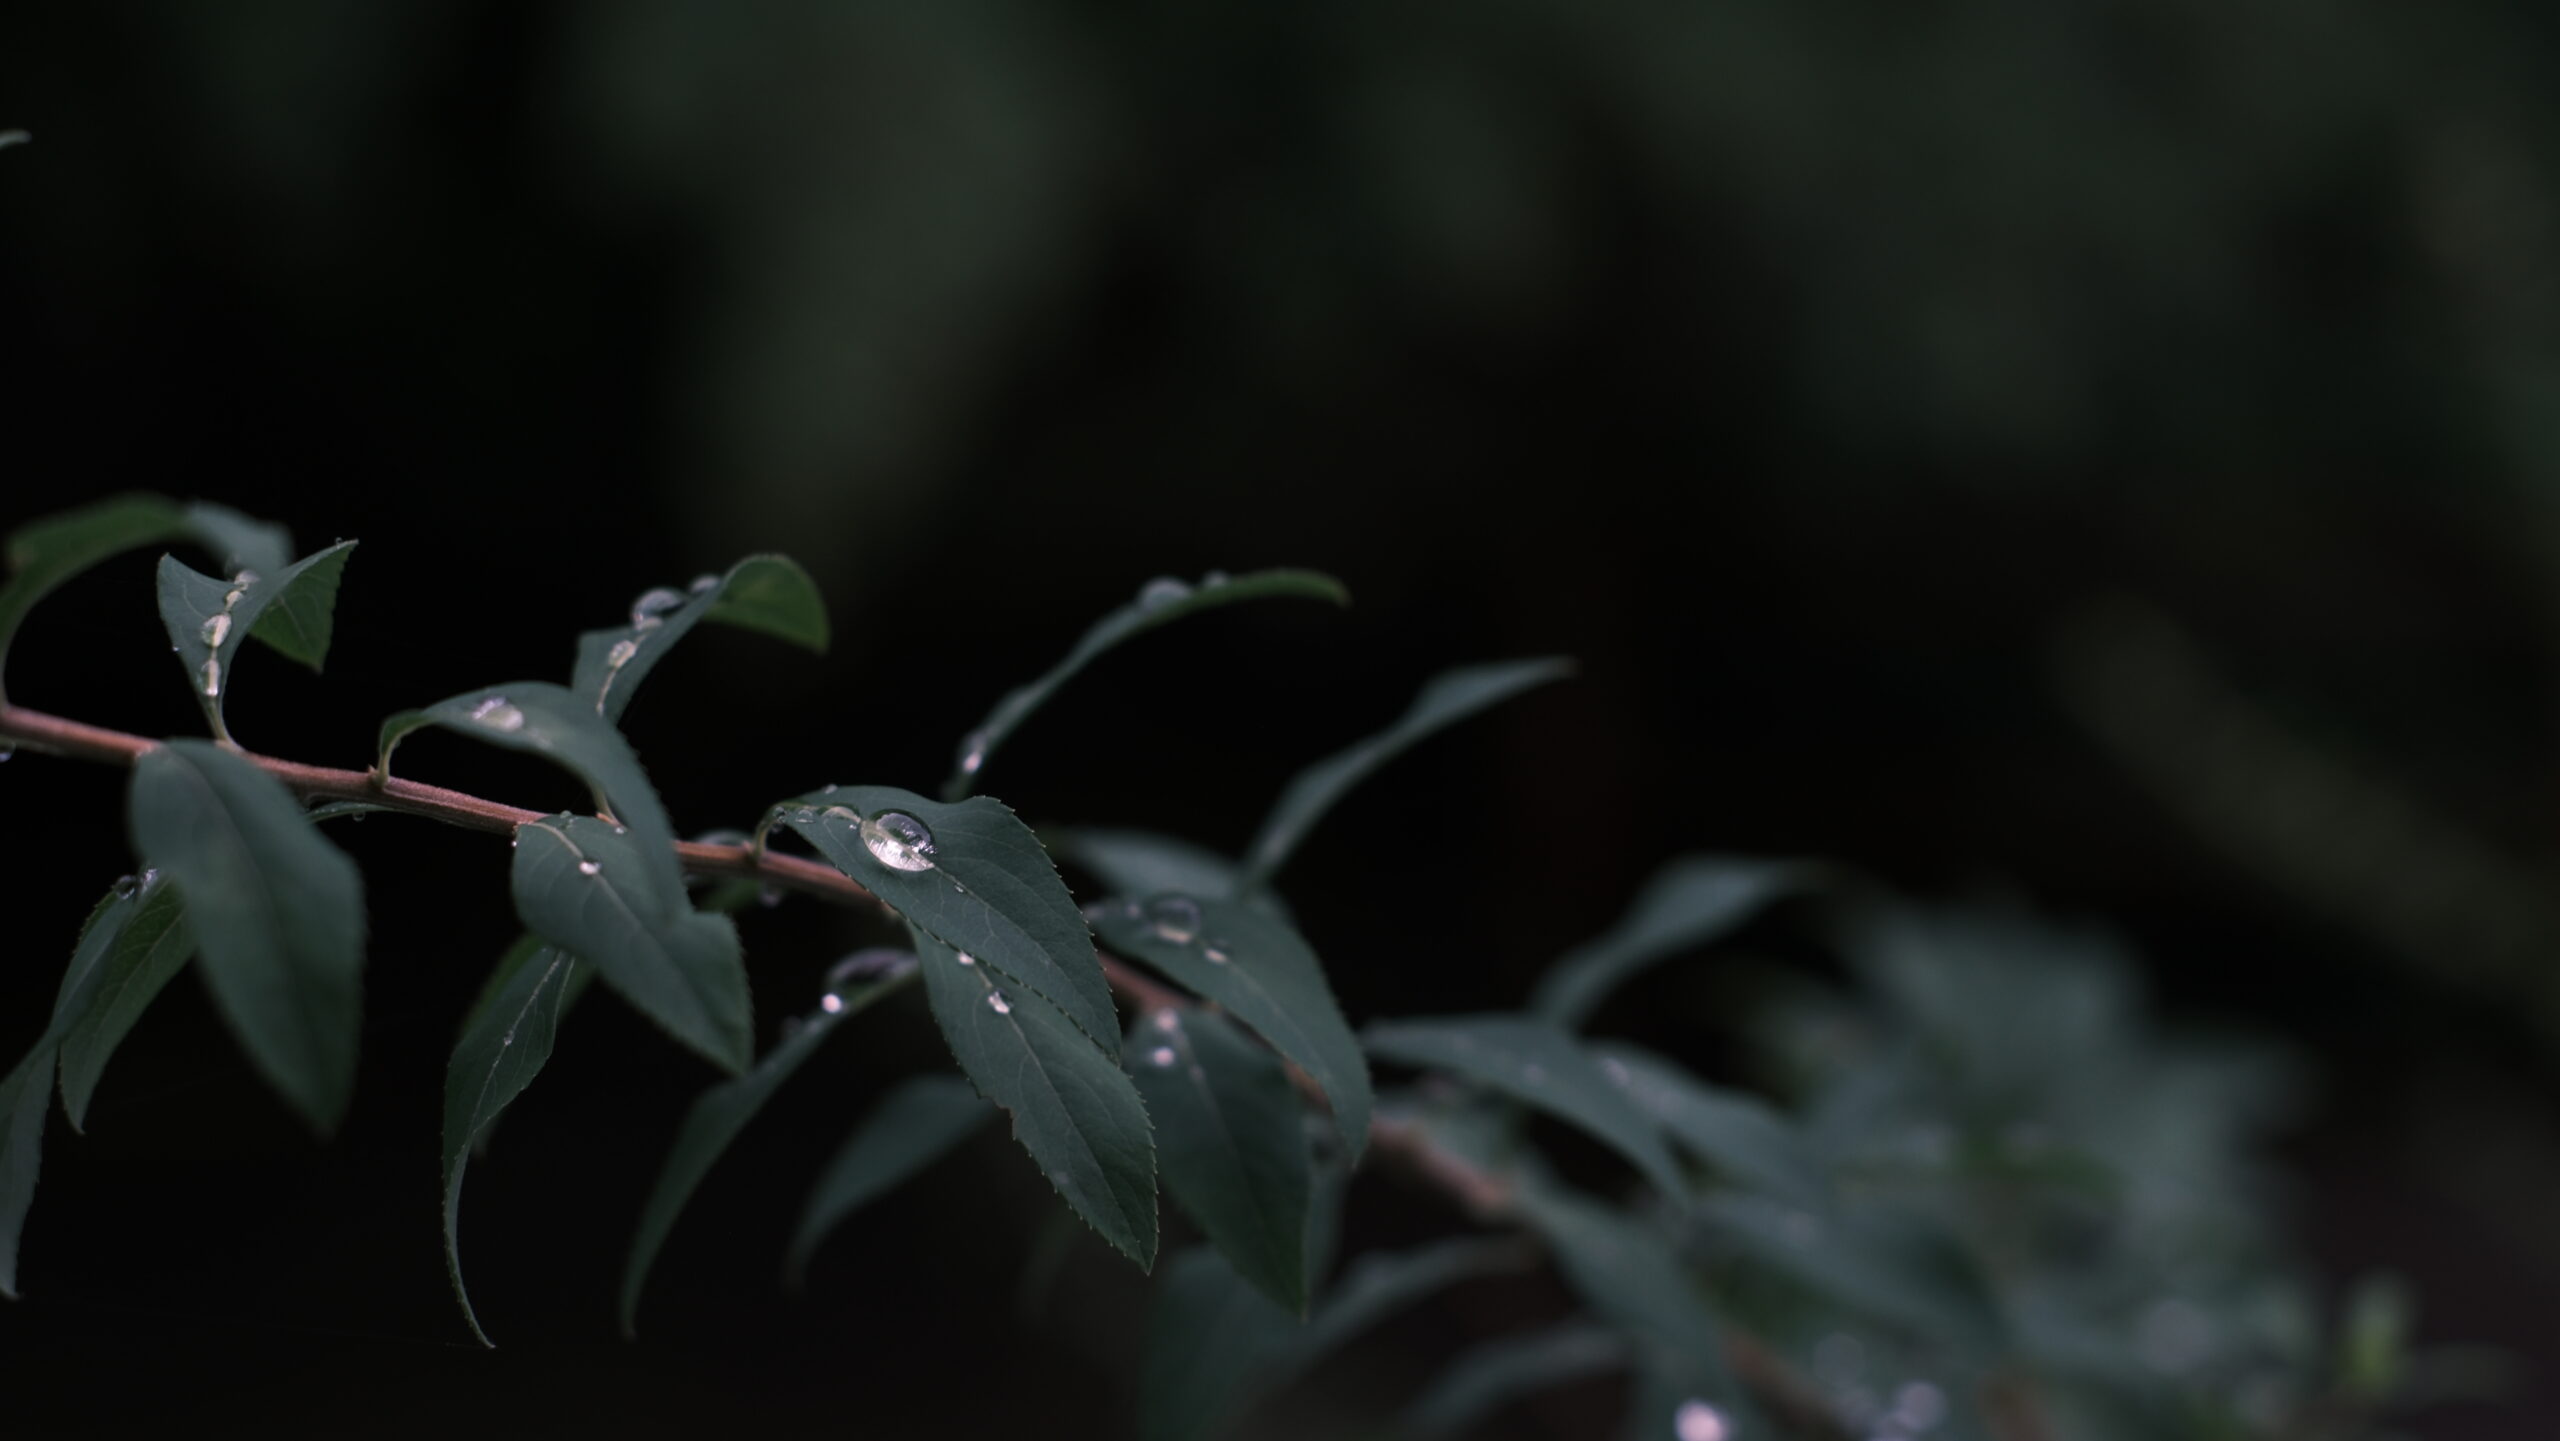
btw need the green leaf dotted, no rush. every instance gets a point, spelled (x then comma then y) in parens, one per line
(277, 911)
(1739, 1135)
(1160, 602)
(239, 542)
(1497, 1373)
(1898, 1267)
(768, 593)
(591, 889)
(145, 946)
(1541, 1066)
(971, 876)
(208, 619)
(916, 1124)
(1141, 863)
(1073, 1108)
(45, 553)
(23, 1095)
(1253, 963)
(1450, 697)
(1632, 1277)
(552, 722)
(715, 1120)
(1689, 902)
(504, 1044)
(1230, 1138)
(1214, 1343)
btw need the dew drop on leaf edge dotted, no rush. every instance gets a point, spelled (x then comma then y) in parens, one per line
(1162, 591)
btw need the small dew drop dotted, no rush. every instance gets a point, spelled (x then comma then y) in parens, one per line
(590, 868)
(1698, 1421)
(650, 610)
(1214, 955)
(828, 789)
(1175, 918)
(232, 597)
(212, 676)
(769, 897)
(804, 816)
(965, 958)
(245, 579)
(998, 1004)
(1162, 591)
(498, 713)
(621, 654)
(704, 584)
(216, 627)
(899, 841)
(1160, 1056)
(831, 1003)
(844, 814)
(127, 885)
(1166, 1020)
(973, 752)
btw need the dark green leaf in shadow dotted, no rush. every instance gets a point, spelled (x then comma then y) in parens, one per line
(921, 1120)
(974, 878)
(1742, 1137)
(768, 593)
(1688, 903)
(146, 946)
(504, 1044)
(23, 1098)
(1160, 602)
(1541, 1066)
(208, 619)
(1497, 1373)
(551, 722)
(720, 1113)
(589, 888)
(239, 542)
(1140, 863)
(1256, 965)
(1899, 1267)
(277, 912)
(1073, 1108)
(1231, 1141)
(1450, 697)
(44, 553)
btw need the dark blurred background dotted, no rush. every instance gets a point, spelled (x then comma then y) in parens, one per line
(2099, 452)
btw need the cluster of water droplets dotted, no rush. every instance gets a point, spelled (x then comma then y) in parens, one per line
(217, 629)
(498, 713)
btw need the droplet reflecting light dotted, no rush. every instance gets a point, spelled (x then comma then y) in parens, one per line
(1698, 1421)
(899, 841)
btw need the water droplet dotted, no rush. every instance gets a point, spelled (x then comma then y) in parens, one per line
(217, 626)
(1919, 1405)
(650, 610)
(965, 958)
(805, 816)
(621, 654)
(828, 789)
(998, 1004)
(212, 675)
(231, 598)
(1214, 578)
(973, 752)
(769, 897)
(1698, 1421)
(1214, 955)
(1162, 591)
(245, 579)
(498, 713)
(704, 584)
(899, 840)
(1166, 1020)
(1175, 918)
(1160, 1056)
(590, 868)
(127, 885)
(831, 1003)
(843, 814)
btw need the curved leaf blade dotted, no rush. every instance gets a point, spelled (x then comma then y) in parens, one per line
(552, 722)
(1160, 602)
(920, 1121)
(1073, 1108)
(239, 542)
(209, 620)
(595, 892)
(1689, 902)
(1497, 1373)
(277, 911)
(768, 593)
(986, 889)
(1448, 698)
(149, 944)
(44, 553)
(1739, 1135)
(1536, 1064)
(1142, 863)
(504, 1044)
(715, 1119)
(1231, 1143)
(23, 1097)
(1262, 971)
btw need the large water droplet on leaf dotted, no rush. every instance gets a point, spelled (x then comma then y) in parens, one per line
(900, 841)
(650, 610)
(1162, 591)
(498, 713)
(1175, 918)
(216, 627)
(211, 676)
